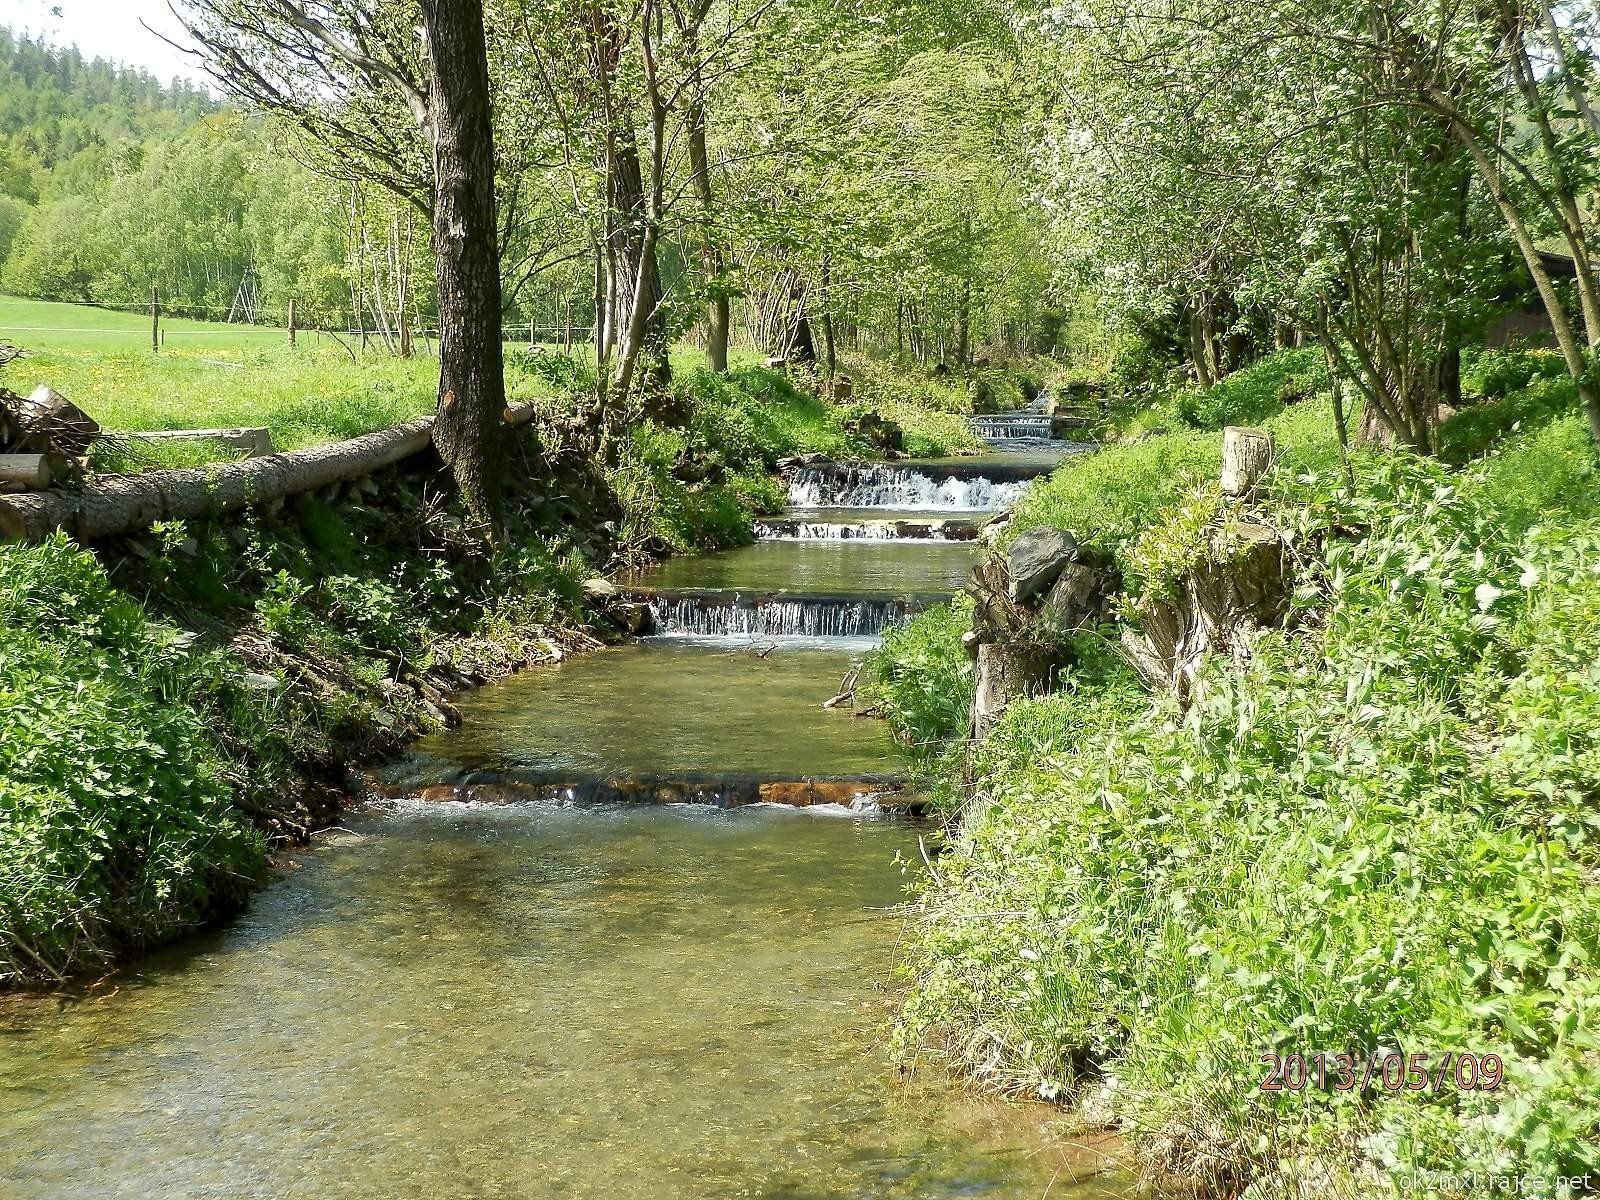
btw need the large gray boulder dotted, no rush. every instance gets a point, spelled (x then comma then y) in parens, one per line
(1035, 561)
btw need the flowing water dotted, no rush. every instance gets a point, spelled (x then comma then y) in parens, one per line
(833, 569)
(563, 999)
(825, 587)
(539, 1003)
(668, 707)
(901, 485)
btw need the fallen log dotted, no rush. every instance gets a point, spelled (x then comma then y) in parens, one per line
(117, 504)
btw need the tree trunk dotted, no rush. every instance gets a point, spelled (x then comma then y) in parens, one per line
(829, 359)
(472, 395)
(638, 314)
(1572, 352)
(712, 261)
(964, 325)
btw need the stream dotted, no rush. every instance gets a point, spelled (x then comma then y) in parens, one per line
(540, 997)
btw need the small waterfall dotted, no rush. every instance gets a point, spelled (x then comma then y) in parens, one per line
(795, 529)
(876, 486)
(768, 617)
(1012, 427)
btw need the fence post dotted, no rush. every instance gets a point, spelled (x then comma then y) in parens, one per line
(155, 318)
(291, 321)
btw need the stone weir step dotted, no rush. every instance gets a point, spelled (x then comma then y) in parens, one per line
(815, 527)
(713, 612)
(886, 793)
(1048, 425)
(997, 468)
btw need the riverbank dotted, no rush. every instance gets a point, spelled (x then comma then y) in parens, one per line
(175, 701)
(1369, 833)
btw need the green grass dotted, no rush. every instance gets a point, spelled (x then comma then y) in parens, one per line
(212, 375)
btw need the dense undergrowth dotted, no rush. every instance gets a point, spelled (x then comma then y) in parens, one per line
(172, 702)
(1379, 835)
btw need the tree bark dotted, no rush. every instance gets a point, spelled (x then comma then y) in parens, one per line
(829, 357)
(712, 260)
(472, 395)
(1246, 455)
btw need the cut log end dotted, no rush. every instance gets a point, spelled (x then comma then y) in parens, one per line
(1246, 455)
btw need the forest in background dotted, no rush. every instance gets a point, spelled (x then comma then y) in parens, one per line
(867, 192)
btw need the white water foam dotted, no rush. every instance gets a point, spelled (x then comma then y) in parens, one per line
(898, 487)
(775, 618)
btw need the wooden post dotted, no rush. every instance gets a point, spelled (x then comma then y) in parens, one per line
(291, 321)
(155, 318)
(1246, 455)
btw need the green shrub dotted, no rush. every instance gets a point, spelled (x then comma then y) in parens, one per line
(1252, 394)
(1108, 498)
(922, 677)
(116, 822)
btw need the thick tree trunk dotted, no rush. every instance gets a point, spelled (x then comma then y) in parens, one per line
(712, 261)
(472, 395)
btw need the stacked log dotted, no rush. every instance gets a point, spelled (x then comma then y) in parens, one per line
(45, 423)
(1026, 600)
(42, 439)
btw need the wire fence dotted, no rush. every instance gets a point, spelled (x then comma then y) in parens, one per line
(161, 323)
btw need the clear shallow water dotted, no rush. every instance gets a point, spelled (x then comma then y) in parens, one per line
(839, 568)
(539, 1003)
(668, 706)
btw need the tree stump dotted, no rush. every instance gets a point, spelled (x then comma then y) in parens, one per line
(1246, 455)
(1009, 671)
(1221, 602)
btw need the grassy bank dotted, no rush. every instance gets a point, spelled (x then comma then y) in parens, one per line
(1379, 835)
(213, 375)
(172, 703)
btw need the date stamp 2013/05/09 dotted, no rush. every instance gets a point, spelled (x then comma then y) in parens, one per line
(1391, 1071)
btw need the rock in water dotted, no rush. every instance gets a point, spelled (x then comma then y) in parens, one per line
(599, 588)
(1035, 561)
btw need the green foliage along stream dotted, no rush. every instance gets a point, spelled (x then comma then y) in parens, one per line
(1377, 835)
